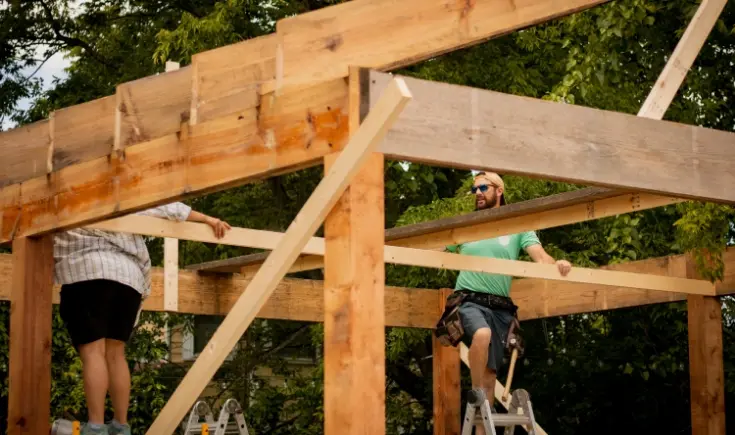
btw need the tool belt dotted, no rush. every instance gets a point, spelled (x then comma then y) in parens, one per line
(449, 330)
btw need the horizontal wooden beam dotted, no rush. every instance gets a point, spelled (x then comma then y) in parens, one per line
(322, 44)
(411, 257)
(536, 214)
(202, 158)
(303, 300)
(462, 127)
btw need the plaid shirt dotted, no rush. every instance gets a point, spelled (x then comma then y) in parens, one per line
(85, 254)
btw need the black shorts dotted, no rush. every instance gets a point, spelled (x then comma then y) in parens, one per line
(97, 309)
(475, 316)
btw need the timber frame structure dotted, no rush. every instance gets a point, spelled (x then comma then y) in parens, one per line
(317, 91)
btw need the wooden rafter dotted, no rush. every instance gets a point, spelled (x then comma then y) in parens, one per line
(456, 126)
(385, 34)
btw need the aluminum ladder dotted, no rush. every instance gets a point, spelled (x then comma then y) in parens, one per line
(477, 400)
(223, 425)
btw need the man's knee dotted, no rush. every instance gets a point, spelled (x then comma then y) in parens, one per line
(481, 337)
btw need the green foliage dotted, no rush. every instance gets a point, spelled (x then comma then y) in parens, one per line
(579, 369)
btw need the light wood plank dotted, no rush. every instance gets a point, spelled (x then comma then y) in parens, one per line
(225, 78)
(171, 274)
(547, 212)
(293, 133)
(29, 394)
(676, 69)
(385, 34)
(306, 222)
(154, 106)
(302, 300)
(446, 377)
(23, 152)
(413, 257)
(456, 126)
(707, 378)
(83, 132)
(354, 281)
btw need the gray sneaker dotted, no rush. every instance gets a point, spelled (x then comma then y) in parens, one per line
(115, 428)
(86, 429)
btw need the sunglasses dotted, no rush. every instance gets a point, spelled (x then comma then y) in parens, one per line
(482, 188)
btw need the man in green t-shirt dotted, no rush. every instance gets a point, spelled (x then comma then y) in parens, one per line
(486, 328)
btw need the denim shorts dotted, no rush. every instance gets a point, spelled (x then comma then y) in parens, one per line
(474, 317)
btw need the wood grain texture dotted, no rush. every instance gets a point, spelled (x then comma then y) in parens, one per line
(385, 34)
(706, 372)
(446, 378)
(303, 300)
(346, 167)
(153, 106)
(224, 78)
(448, 125)
(23, 152)
(29, 394)
(354, 281)
(210, 156)
(83, 132)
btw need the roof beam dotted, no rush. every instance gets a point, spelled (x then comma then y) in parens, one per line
(322, 44)
(225, 152)
(449, 125)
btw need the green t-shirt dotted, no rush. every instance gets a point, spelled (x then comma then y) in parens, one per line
(505, 247)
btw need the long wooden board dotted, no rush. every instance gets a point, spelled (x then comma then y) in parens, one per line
(302, 300)
(448, 125)
(385, 34)
(294, 132)
(547, 212)
(411, 257)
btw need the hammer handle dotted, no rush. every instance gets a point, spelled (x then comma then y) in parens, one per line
(511, 369)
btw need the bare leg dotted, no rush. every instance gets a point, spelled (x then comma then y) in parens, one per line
(478, 355)
(96, 379)
(119, 379)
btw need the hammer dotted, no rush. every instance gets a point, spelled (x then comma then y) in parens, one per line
(514, 342)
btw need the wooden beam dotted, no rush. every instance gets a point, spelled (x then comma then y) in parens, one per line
(547, 212)
(293, 241)
(682, 59)
(29, 394)
(412, 257)
(214, 155)
(448, 125)
(354, 291)
(706, 370)
(303, 300)
(447, 388)
(322, 44)
(171, 274)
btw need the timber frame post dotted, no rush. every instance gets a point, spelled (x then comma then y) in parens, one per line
(29, 401)
(446, 369)
(354, 288)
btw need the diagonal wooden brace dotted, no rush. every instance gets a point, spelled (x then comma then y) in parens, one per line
(311, 216)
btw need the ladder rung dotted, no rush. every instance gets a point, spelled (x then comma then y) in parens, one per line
(506, 419)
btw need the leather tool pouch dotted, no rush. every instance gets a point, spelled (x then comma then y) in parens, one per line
(449, 330)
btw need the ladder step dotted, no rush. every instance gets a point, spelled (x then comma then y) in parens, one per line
(506, 419)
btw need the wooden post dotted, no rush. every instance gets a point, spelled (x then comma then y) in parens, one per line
(706, 372)
(354, 281)
(29, 401)
(447, 388)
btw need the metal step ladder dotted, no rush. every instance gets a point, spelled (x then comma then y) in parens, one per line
(223, 425)
(477, 400)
